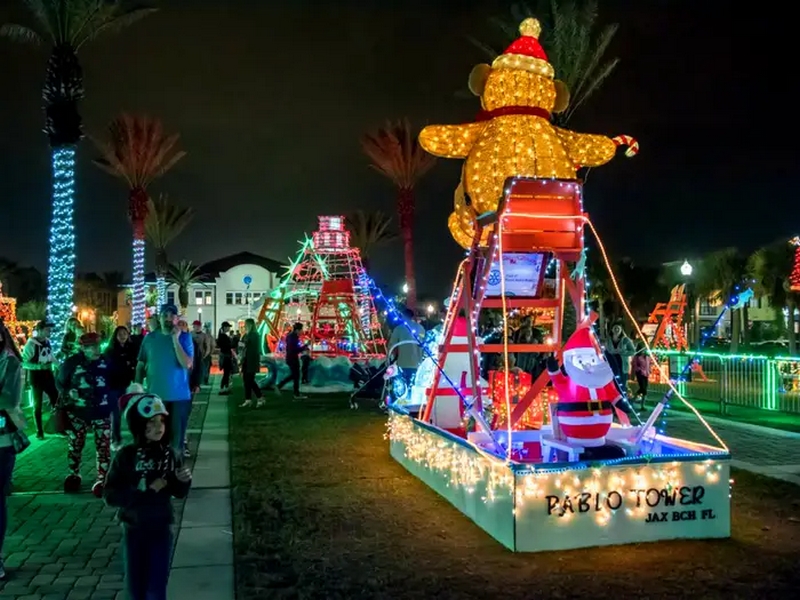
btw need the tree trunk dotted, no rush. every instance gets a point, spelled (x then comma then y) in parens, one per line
(745, 326)
(183, 298)
(137, 212)
(735, 327)
(61, 272)
(405, 208)
(161, 275)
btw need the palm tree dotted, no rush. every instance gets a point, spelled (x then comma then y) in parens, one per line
(164, 222)
(573, 47)
(719, 275)
(138, 151)
(184, 274)
(66, 26)
(769, 268)
(368, 230)
(396, 154)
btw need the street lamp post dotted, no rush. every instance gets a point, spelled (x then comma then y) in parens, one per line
(693, 303)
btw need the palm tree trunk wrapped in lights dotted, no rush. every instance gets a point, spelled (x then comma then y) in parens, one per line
(164, 222)
(66, 25)
(138, 151)
(396, 154)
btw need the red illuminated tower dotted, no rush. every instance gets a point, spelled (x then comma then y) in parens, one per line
(328, 291)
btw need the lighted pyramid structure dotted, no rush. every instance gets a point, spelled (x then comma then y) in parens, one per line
(327, 290)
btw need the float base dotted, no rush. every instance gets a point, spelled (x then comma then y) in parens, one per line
(562, 506)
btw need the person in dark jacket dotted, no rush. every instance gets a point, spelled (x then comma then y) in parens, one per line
(38, 360)
(142, 481)
(225, 345)
(85, 385)
(251, 364)
(123, 354)
(294, 348)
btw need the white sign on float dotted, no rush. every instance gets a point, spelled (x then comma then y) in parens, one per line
(622, 504)
(522, 275)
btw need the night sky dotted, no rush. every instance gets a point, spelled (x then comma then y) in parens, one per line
(271, 102)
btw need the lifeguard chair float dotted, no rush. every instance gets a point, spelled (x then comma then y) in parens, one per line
(537, 221)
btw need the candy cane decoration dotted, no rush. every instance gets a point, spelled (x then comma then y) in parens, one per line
(631, 143)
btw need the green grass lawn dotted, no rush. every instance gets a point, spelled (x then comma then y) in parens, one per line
(321, 511)
(743, 414)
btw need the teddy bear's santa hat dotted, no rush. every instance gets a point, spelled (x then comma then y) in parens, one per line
(526, 53)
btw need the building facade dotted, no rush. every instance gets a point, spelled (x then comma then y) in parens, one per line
(230, 289)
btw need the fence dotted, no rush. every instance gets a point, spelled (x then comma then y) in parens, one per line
(745, 380)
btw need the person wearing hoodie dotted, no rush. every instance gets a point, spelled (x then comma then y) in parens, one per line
(123, 354)
(38, 360)
(143, 479)
(11, 420)
(85, 385)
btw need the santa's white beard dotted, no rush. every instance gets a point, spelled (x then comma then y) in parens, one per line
(600, 375)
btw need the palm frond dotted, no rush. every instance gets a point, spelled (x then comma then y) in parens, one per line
(109, 19)
(486, 49)
(396, 154)
(137, 150)
(165, 221)
(369, 229)
(184, 274)
(20, 33)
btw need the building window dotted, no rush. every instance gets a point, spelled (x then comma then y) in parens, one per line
(229, 298)
(706, 309)
(198, 297)
(170, 297)
(238, 298)
(208, 297)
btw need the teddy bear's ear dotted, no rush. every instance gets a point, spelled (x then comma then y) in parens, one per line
(478, 77)
(562, 96)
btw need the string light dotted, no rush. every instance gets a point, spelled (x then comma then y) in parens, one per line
(139, 293)
(794, 277)
(61, 274)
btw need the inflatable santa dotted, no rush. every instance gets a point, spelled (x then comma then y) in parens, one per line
(587, 391)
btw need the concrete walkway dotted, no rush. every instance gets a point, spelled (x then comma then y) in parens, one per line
(762, 450)
(67, 547)
(202, 566)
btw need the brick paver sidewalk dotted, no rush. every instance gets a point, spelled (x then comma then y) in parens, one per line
(66, 547)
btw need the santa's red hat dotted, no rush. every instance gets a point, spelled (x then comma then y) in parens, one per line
(579, 342)
(526, 53)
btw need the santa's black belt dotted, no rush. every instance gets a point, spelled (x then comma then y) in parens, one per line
(589, 405)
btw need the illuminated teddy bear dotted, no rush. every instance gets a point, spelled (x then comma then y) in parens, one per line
(513, 136)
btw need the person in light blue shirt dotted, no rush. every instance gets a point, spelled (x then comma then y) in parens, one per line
(165, 358)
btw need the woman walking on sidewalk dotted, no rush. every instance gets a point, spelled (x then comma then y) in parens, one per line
(251, 364)
(11, 420)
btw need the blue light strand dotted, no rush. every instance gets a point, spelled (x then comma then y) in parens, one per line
(61, 274)
(732, 301)
(161, 289)
(139, 295)
(395, 314)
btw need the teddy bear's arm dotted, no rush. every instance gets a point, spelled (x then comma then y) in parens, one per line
(586, 149)
(450, 141)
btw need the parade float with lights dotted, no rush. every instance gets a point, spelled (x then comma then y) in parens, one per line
(542, 467)
(328, 291)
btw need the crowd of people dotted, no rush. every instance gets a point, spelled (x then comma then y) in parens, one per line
(143, 379)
